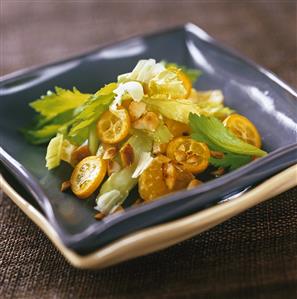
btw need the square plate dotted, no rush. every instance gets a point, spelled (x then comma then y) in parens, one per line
(251, 90)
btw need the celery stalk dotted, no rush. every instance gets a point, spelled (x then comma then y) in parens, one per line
(93, 141)
(122, 181)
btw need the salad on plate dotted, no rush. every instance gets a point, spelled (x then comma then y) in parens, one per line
(149, 131)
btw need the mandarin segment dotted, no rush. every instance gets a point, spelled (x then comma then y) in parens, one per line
(152, 183)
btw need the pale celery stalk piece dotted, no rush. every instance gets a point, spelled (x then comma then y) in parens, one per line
(123, 181)
(93, 141)
(161, 135)
(167, 83)
(108, 202)
(67, 150)
(143, 163)
(53, 153)
(174, 109)
(212, 96)
(143, 72)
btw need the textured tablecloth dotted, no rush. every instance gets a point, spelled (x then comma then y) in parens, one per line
(253, 255)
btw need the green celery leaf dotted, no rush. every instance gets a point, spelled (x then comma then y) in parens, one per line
(80, 137)
(231, 161)
(54, 103)
(198, 136)
(59, 119)
(46, 128)
(42, 135)
(215, 132)
(91, 110)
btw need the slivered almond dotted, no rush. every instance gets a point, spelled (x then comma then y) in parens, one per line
(110, 153)
(180, 156)
(182, 148)
(149, 121)
(137, 202)
(126, 103)
(99, 216)
(193, 159)
(136, 110)
(79, 154)
(119, 209)
(65, 185)
(169, 174)
(112, 167)
(159, 148)
(217, 155)
(219, 172)
(194, 183)
(127, 155)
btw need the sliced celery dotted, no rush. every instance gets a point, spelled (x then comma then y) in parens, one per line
(93, 140)
(122, 181)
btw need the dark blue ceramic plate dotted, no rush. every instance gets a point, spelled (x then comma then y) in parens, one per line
(261, 96)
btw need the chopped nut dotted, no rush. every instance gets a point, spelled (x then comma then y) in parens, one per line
(127, 155)
(110, 153)
(149, 121)
(99, 216)
(219, 172)
(65, 185)
(112, 167)
(79, 154)
(194, 183)
(217, 155)
(179, 166)
(180, 156)
(163, 159)
(169, 174)
(183, 177)
(137, 202)
(119, 209)
(136, 110)
(159, 148)
(126, 103)
(182, 148)
(193, 159)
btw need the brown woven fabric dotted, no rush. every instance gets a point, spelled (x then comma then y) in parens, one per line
(253, 255)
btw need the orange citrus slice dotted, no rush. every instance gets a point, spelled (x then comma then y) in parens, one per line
(113, 128)
(243, 128)
(87, 176)
(191, 154)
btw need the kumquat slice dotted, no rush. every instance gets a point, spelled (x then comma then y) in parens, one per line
(191, 154)
(243, 128)
(87, 176)
(113, 127)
